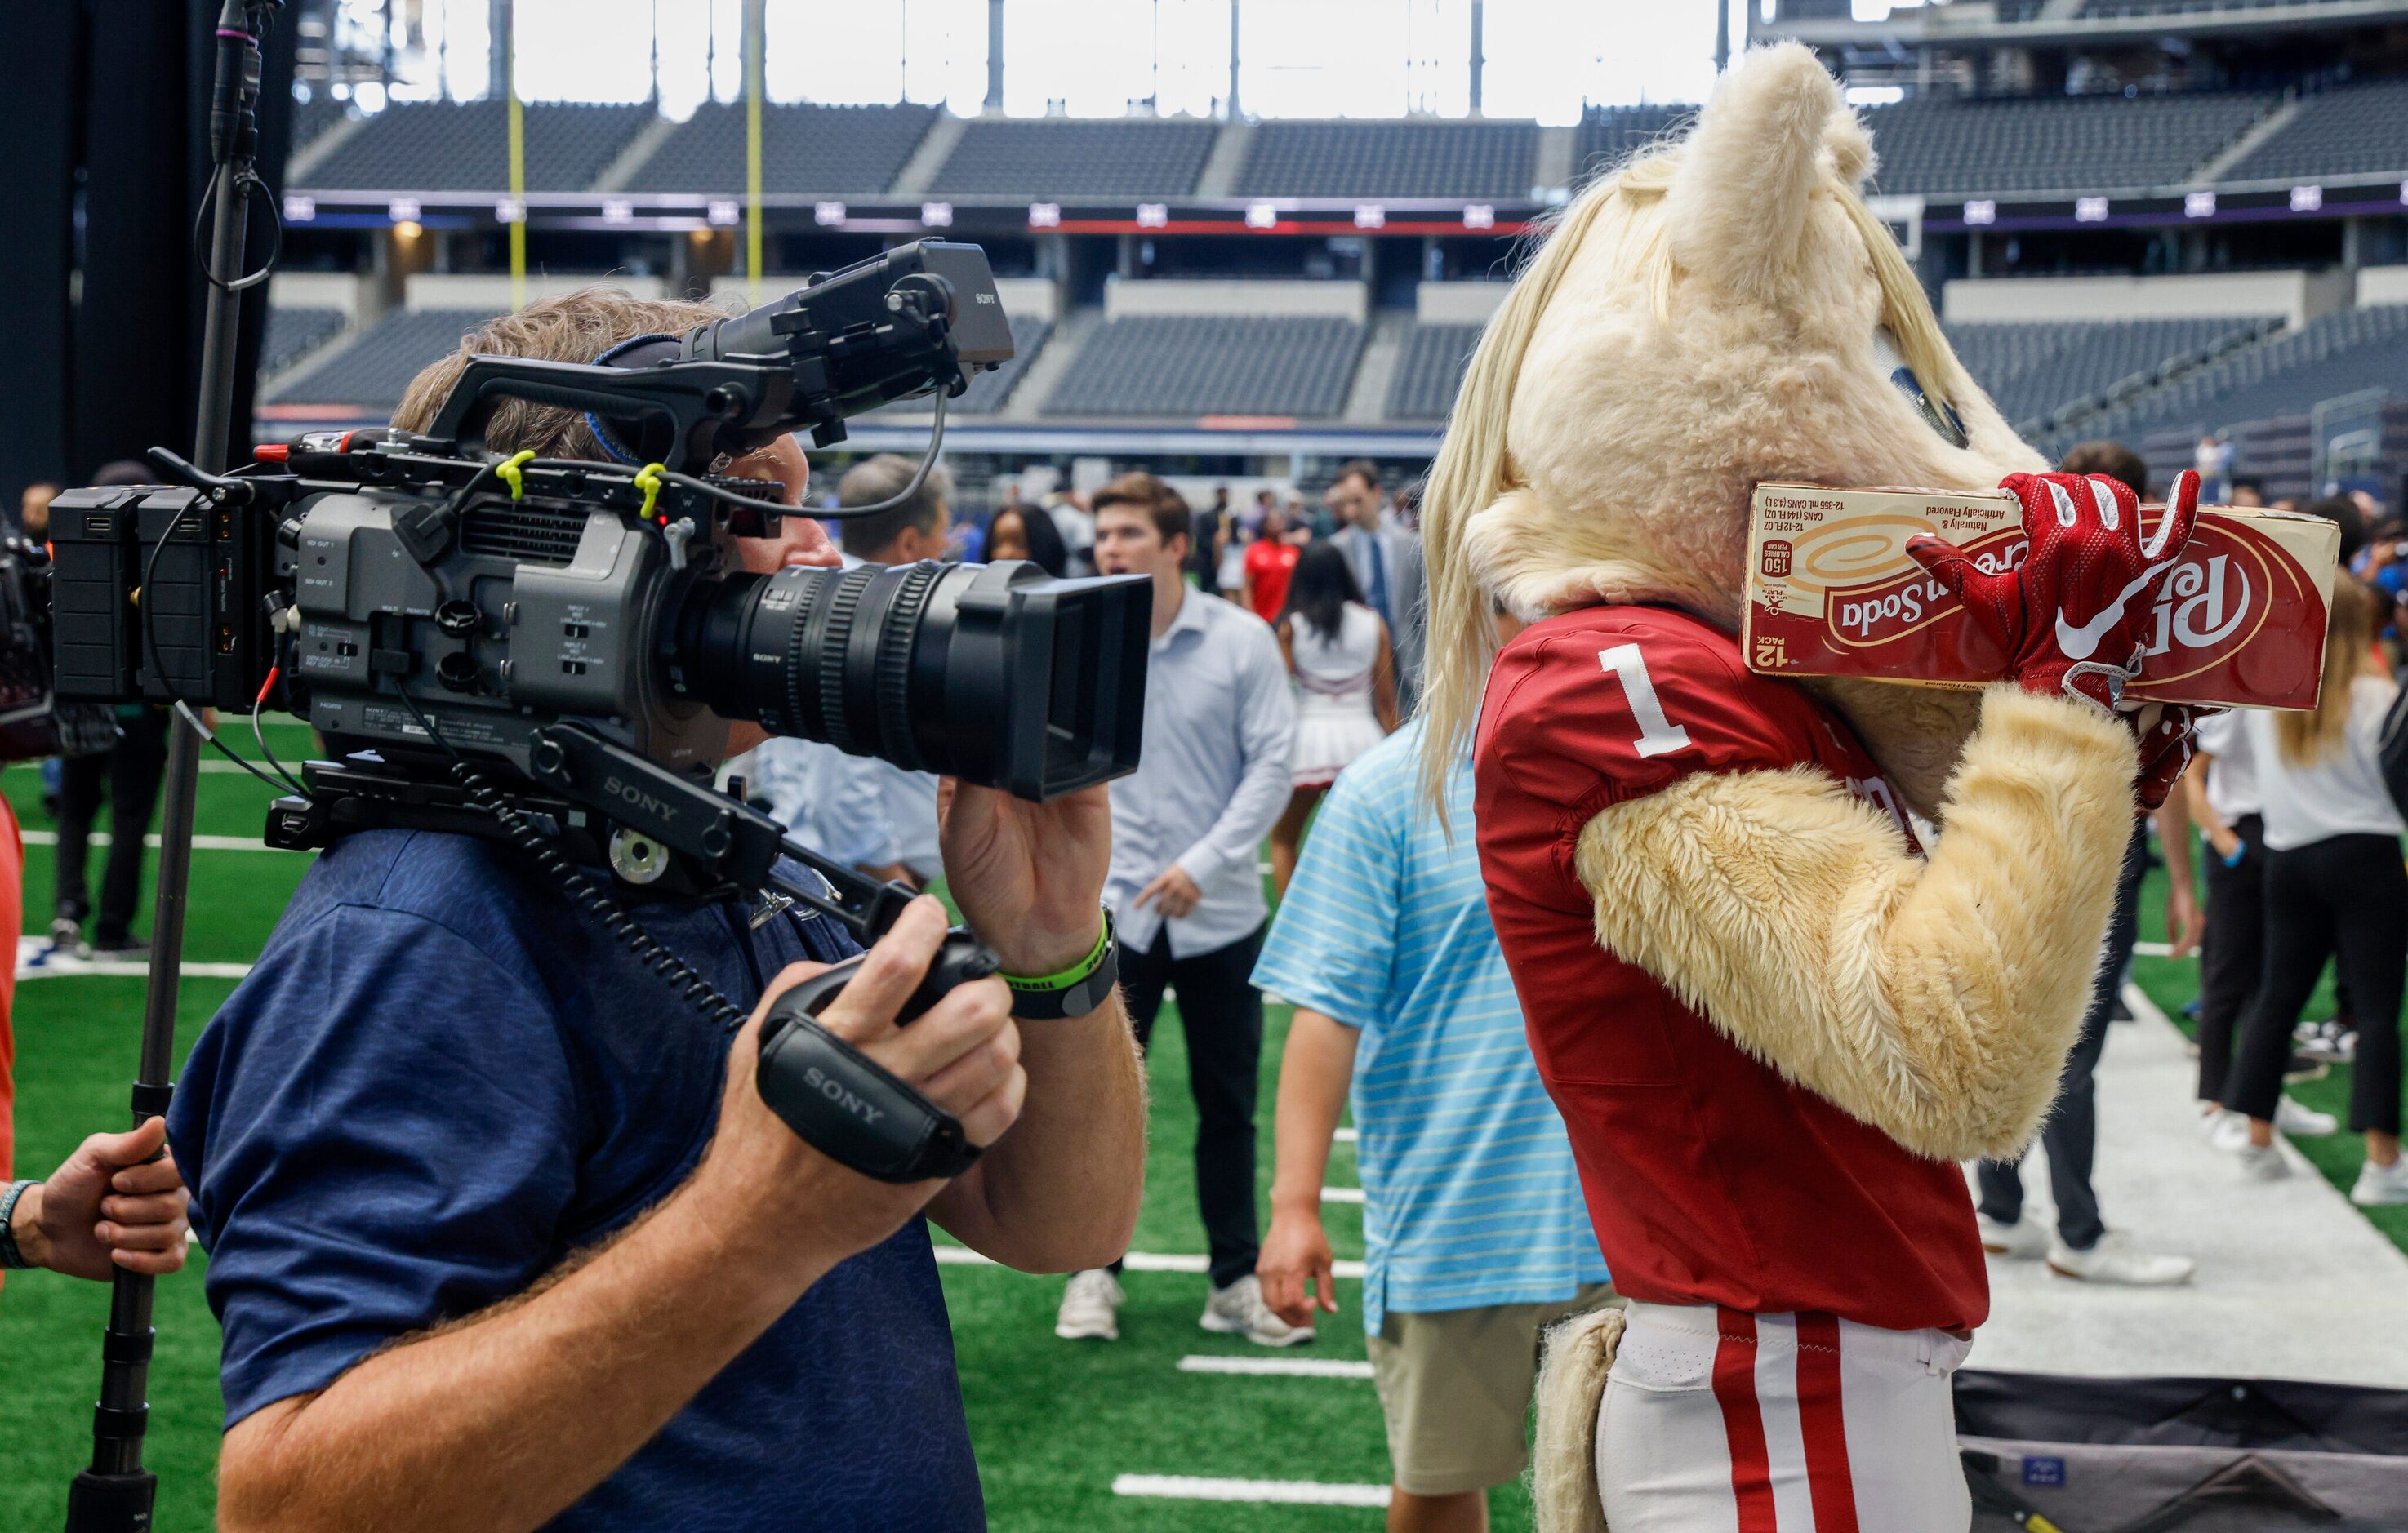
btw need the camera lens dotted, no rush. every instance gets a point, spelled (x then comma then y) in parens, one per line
(992, 673)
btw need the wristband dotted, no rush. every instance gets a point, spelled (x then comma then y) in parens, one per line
(2240, 849)
(1072, 991)
(12, 1259)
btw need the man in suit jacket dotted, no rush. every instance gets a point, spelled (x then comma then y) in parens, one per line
(1386, 561)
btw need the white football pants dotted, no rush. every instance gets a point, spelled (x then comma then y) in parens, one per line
(1722, 1421)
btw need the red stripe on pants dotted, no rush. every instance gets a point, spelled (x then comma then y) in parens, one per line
(1744, 1421)
(1823, 1424)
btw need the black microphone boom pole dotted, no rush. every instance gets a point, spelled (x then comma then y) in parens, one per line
(115, 1495)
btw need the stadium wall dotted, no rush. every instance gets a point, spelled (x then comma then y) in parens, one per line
(2297, 296)
(465, 290)
(1458, 303)
(1279, 299)
(2383, 285)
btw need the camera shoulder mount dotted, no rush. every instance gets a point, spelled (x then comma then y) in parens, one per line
(593, 801)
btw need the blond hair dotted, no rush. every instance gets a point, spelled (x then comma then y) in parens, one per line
(576, 326)
(1474, 468)
(2305, 738)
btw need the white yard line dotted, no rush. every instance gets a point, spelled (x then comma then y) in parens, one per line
(1136, 1261)
(200, 843)
(1281, 1368)
(1345, 1135)
(2159, 949)
(1188, 1487)
(1341, 1195)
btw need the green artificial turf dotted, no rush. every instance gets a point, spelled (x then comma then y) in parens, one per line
(1054, 1421)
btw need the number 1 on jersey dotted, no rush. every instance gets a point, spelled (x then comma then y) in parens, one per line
(1657, 735)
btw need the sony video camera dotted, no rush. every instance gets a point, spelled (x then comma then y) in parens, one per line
(573, 628)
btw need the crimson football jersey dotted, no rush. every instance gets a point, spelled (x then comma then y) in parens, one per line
(1709, 1178)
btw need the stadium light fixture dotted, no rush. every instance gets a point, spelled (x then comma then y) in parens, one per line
(724, 212)
(2307, 199)
(1044, 215)
(1152, 215)
(936, 215)
(1981, 211)
(2090, 209)
(402, 209)
(1478, 215)
(2198, 205)
(827, 214)
(1370, 215)
(1261, 215)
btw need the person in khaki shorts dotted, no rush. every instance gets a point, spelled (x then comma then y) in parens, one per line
(1474, 1234)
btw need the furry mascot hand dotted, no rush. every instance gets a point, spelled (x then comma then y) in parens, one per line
(2069, 616)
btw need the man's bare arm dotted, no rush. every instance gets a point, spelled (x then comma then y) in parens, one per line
(1061, 1191)
(501, 1421)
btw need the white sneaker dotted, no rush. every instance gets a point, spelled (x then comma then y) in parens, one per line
(2303, 1122)
(2114, 1259)
(2261, 1162)
(2229, 1132)
(1091, 1308)
(2021, 1242)
(1239, 1310)
(2380, 1185)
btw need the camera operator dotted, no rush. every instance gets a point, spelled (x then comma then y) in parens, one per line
(501, 1233)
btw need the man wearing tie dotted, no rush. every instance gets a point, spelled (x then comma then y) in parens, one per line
(1387, 565)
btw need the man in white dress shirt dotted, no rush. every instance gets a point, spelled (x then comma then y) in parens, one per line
(1185, 890)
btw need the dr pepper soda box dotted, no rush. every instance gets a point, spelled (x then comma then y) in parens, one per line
(2239, 621)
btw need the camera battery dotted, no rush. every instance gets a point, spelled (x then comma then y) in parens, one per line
(92, 570)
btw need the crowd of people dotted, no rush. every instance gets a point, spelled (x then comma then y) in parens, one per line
(1286, 658)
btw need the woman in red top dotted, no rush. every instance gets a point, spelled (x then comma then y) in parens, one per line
(1270, 560)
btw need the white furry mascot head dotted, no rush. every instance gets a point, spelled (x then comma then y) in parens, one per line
(1722, 311)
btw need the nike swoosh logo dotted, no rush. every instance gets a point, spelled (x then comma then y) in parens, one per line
(2077, 641)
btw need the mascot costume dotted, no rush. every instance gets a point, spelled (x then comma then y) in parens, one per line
(1787, 953)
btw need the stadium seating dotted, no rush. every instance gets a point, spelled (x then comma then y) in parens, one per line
(1942, 146)
(847, 150)
(314, 117)
(294, 333)
(372, 373)
(2353, 130)
(2032, 369)
(988, 391)
(1409, 159)
(1053, 158)
(464, 146)
(2341, 353)
(1429, 371)
(1607, 135)
(1162, 365)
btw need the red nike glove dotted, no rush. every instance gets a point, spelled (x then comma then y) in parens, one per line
(2165, 751)
(2072, 616)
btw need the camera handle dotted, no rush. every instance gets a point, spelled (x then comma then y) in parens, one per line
(844, 1104)
(705, 402)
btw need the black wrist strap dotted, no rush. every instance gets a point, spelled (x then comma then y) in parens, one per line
(844, 1104)
(856, 1113)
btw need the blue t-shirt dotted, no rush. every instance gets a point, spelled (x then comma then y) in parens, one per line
(439, 1080)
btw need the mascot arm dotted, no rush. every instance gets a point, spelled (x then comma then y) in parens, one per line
(1933, 1000)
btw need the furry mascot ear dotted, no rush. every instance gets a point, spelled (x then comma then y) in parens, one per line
(1774, 133)
(1574, 1358)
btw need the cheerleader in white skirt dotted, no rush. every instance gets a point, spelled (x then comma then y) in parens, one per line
(1338, 650)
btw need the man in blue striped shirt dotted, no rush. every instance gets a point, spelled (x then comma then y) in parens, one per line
(1474, 1233)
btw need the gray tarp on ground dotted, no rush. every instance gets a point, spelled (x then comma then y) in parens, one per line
(2203, 1456)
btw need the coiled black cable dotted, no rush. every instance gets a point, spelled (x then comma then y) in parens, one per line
(591, 897)
(586, 894)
